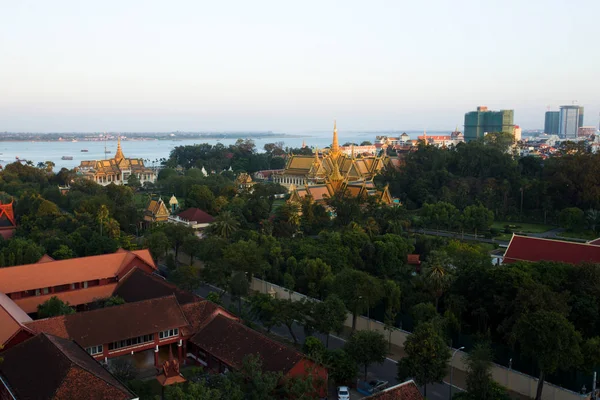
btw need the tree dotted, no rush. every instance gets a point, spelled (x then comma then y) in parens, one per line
(186, 277)
(238, 287)
(200, 196)
(134, 182)
(342, 368)
(318, 275)
(63, 253)
(256, 383)
(192, 246)
(54, 307)
(366, 143)
(288, 312)
(225, 224)
(101, 216)
(366, 348)
(123, 369)
(113, 301)
(158, 243)
(550, 339)
(477, 218)
(480, 384)
(426, 357)
(329, 316)
(262, 308)
(392, 295)
(245, 256)
(313, 348)
(358, 290)
(192, 391)
(436, 274)
(423, 313)
(177, 235)
(571, 218)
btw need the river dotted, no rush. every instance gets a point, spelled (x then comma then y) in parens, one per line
(151, 150)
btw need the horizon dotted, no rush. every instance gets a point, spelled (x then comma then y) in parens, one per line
(269, 66)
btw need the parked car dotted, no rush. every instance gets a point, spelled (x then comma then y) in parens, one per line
(377, 385)
(343, 393)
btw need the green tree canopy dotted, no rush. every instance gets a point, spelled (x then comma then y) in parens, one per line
(54, 307)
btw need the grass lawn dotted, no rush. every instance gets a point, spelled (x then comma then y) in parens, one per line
(585, 235)
(277, 203)
(522, 227)
(504, 236)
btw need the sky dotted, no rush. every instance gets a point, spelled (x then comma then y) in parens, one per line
(283, 66)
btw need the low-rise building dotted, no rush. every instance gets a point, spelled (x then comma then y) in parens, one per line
(77, 281)
(193, 217)
(47, 367)
(534, 249)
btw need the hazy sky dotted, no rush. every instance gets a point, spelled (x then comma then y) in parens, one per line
(288, 66)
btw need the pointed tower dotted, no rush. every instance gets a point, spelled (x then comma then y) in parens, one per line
(119, 154)
(335, 146)
(303, 144)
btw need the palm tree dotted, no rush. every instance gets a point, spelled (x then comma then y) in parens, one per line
(436, 273)
(225, 224)
(593, 219)
(41, 165)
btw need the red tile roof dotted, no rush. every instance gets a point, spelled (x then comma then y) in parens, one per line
(115, 323)
(200, 313)
(73, 297)
(230, 341)
(404, 391)
(196, 215)
(46, 367)
(595, 242)
(61, 272)
(525, 248)
(138, 285)
(12, 319)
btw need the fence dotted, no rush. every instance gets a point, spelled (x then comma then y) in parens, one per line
(511, 379)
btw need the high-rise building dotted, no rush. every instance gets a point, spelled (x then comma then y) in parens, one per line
(571, 118)
(482, 121)
(551, 122)
(517, 133)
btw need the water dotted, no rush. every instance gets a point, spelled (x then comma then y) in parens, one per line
(153, 150)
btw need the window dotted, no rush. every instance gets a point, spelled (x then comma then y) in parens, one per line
(94, 350)
(85, 284)
(168, 333)
(72, 286)
(37, 292)
(130, 342)
(45, 290)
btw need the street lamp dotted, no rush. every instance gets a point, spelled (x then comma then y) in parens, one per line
(452, 368)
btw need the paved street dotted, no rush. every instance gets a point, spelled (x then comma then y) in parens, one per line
(386, 371)
(459, 236)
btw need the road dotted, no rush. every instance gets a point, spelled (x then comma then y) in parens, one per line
(386, 371)
(456, 235)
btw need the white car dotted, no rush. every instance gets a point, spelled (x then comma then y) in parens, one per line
(343, 393)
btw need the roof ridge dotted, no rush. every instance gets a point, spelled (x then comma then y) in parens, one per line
(98, 310)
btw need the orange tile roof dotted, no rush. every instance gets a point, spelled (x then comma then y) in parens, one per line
(61, 272)
(74, 297)
(11, 318)
(45, 258)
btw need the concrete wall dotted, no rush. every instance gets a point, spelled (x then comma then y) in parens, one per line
(513, 380)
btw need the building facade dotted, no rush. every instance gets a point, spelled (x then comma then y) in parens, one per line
(482, 121)
(586, 131)
(551, 122)
(116, 170)
(570, 119)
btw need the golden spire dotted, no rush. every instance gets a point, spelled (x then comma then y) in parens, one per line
(335, 174)
(335, 146)
(119, 154)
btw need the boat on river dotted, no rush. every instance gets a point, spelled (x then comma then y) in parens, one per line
(66, 157)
